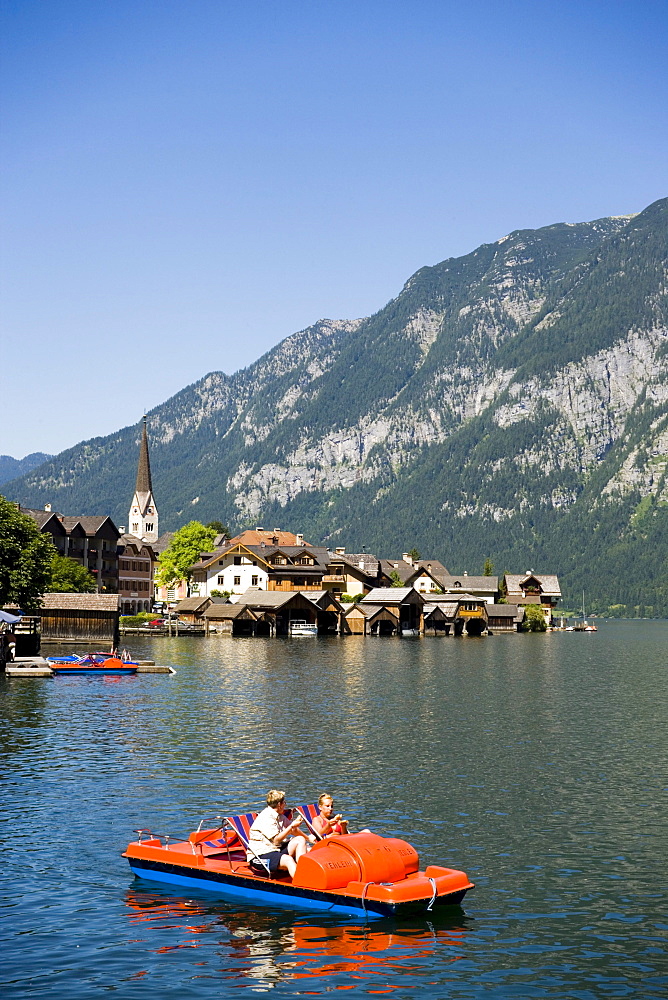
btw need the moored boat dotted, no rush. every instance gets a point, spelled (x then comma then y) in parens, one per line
(356, 874)
(303, 628)
(91, 663)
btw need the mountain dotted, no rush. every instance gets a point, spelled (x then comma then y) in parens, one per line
(11, 468)
(511, 403)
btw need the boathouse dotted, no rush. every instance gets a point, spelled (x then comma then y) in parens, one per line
(236, 619)
(371, 619)
(504, 618)
(81, 618)
(388, 610)
(274, 610)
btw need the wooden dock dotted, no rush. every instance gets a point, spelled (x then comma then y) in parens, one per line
(37, 666)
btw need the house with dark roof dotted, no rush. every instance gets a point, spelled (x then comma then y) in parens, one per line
(89, 539)
(351, 573)
(534, 588)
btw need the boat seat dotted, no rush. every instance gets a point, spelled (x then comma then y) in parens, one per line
(308, 813)
(241, 824)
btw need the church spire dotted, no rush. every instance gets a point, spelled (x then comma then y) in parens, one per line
(143, 484)
(143, 516)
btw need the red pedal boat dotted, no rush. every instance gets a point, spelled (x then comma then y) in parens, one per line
(356, 874)
(91, 663)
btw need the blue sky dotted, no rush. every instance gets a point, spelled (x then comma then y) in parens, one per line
(184, 183)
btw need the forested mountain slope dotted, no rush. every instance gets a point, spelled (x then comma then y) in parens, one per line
(511, 403)
(10, 467)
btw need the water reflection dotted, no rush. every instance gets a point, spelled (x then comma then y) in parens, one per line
(271, 947)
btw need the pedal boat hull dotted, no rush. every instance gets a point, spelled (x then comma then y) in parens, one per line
(360, 874)
(95, 664)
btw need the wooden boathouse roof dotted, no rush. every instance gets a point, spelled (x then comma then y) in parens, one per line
(80, 602)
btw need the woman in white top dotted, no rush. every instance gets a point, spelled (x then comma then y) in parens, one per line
(275, 839)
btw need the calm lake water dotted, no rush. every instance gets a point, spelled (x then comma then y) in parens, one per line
(537, 763)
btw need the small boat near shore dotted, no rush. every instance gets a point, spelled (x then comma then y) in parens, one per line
(298, 627)
(356, 874)
(91, 663)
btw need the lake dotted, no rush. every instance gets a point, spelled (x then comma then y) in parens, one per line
(537, 763)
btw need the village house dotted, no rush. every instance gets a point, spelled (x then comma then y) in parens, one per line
(90, 539)
(533, 588)
(243, 563)
(351, 573)
(422, 574)
(136, 562)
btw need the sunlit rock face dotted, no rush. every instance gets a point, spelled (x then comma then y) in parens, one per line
(494, 384)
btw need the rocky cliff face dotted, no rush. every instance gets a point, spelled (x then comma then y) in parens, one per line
(526, 380)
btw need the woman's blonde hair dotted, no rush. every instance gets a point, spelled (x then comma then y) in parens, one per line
(274, 796)
(325, 795)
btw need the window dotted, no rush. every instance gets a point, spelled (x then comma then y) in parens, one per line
(149, 526)
(253, 581)
(237, 560)
(221, 579)
(135, 526)
(237, 581)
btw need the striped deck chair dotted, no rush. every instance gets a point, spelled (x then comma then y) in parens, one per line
(214, 840)
(241, 824)
(308, 813)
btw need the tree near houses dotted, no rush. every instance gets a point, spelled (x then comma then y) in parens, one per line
(70, 577)
(183, 551)
(25, 558)
(534, 619)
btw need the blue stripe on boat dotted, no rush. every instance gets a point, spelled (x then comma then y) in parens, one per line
(260, 895)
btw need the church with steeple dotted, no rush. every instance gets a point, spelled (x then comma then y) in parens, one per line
(137, 555)
(143, 515)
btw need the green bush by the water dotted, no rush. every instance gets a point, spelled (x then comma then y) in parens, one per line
(136, 621)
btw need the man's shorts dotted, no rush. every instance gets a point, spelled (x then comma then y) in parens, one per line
(273, 860)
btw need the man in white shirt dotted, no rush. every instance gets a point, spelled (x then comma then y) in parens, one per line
(274, 839)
